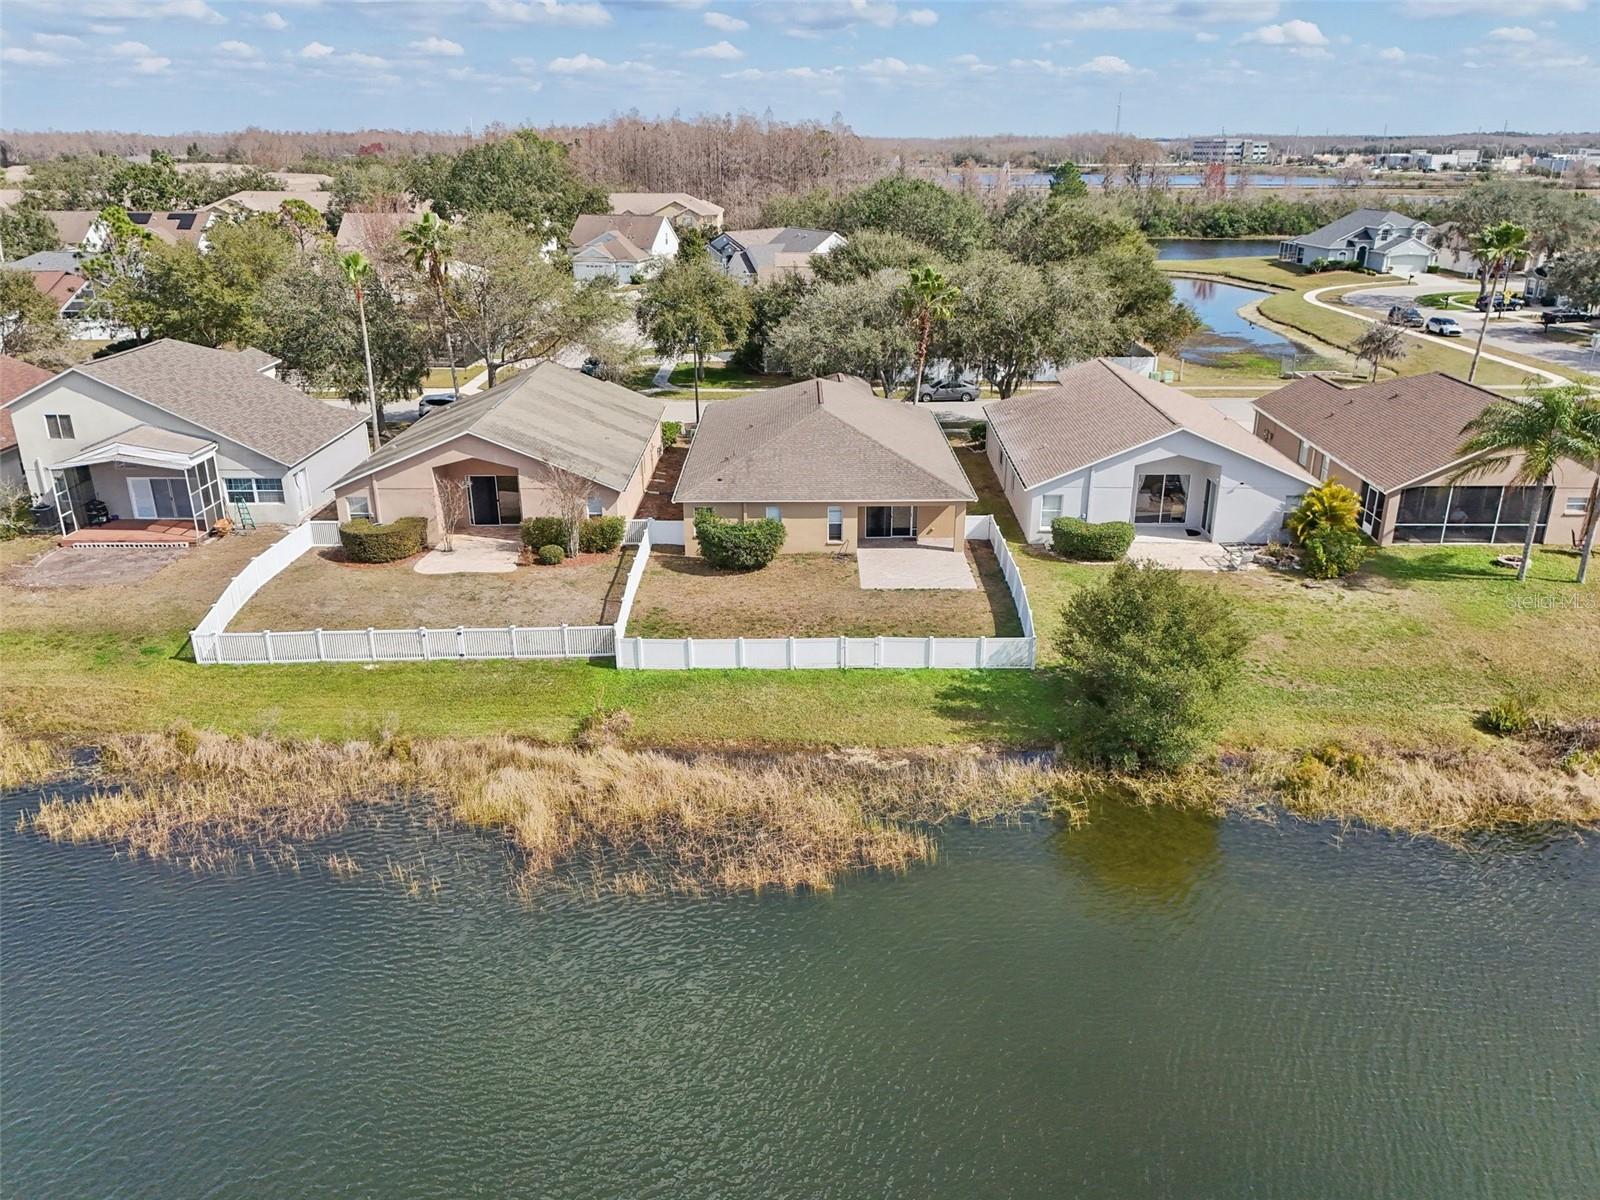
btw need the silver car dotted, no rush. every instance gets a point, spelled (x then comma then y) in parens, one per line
(947, 389)
(1443, 326)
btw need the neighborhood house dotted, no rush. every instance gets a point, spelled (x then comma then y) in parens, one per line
(759, 255)
(518, 449)
(1395, 444)
(678, 207)
(838, 465)
(1390, 242)
(1107, 444)
(164, 439)
(623, 248)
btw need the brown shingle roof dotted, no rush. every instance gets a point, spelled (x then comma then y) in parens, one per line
(817, 441)
(71, 225)
(220, 391)
(641, 231)
(16, 377)
(1098, 409)
(59, 286)
(654, 202)
(1388, 433)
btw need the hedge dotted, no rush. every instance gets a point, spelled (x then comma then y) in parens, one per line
(1333, 553)
(736, 545)
(1087, 541)
(552, 555)
(544, 531)
(596, 535)
(365, 542)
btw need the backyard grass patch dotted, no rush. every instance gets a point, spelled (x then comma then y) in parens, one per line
(727, 377)
(813, 595)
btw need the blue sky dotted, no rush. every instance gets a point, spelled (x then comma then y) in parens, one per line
(919, 68)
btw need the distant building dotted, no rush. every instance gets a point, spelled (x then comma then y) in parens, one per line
(758, 255)
(678, 207)
(620, 246)
(1229, 150)
(1574, 160)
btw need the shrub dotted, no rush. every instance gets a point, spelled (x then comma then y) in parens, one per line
(1329, 505)
(1334, 553)
(671, 431)
(1147, 657)
(1506, 717)
(365, 542)
(601, 535)
(1088, 541)
(545, 531)
(978, 433)
(552, 555)
(738, 546)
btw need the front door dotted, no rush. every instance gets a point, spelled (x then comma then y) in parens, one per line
(162, 498)
(1208, 514)
(891, 521)
(1162, 500)
(485, 500)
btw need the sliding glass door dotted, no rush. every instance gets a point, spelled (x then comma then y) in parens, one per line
(891, 521)
(1161, 500)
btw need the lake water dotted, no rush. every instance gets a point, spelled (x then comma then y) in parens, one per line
(1218, 306)
(1195, 248)
(1041, 180)
(1160, 1005)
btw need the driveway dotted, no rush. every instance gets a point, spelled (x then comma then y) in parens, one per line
(913, 567)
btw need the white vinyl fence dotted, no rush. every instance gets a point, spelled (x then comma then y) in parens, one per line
(213, 645)
(821, 653)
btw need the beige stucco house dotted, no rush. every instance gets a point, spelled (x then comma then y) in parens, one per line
(512, 449)
(678, 207)
(1395, 444)
(838, 465)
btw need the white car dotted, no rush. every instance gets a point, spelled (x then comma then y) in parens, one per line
(1443, 326)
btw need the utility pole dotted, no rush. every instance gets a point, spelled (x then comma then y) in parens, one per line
(1118, 129)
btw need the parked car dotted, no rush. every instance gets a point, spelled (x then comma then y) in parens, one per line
(1443, 326)
(435, 401)
(1405, 314)
(1501, 303)
(1558, 315)
(947, 389)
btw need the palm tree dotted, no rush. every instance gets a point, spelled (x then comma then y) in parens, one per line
(358, 270)
(428, 243)
(928, 297)
(1589, 433)
(1380, 344)
(1496, 247)
(1552, 425)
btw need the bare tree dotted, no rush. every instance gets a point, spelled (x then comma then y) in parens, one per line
(455, 502)
(572, 492)
(1380, 344)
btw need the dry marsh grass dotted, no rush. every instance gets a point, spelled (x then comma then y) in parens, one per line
(28, 762)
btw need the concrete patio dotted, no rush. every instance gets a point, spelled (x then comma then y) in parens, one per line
(474, 554)
(908, 568)
(1182, 552)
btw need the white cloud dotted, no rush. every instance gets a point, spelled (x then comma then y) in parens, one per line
(1429, 9)
(725, 23)
(192, 10)
(1290, 33)
(30, 58)
(237, 49)
(272, 20)
(1513, 33)
(1205, 35)
(369, 62)
(439, 45)
(154, 65)
(578, 64)
(724, 50)
(1105, 64)
(1141, 14)
(57, 41)
(1392, 54)
(582, 14)
(895, 68)
(130, 49)
(921, 16)
(315, 50)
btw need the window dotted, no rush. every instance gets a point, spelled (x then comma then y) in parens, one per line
(1577, 506)
(1305, 453)
(360, 507)
(774, 513)
(58, 426)
(836, 524)
(254, 491)
(1049, 510)
(596, 508)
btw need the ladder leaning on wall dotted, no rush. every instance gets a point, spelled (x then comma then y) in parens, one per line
(245, 520)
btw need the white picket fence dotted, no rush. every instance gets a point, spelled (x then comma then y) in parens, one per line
(212, 644)
(823, 653)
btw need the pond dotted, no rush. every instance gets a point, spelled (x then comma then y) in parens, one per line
(1158, 1005)
(1229, 335)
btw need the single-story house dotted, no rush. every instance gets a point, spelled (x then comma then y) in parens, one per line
(177, 228)
(516, 447)
(606, 245)
(16, 377)
(759, 255)
(678, 207)
(1395, 444)
(173, 432)
(370, 232)
(271, 202)
(1390, 242)
(78, 229)
(838, 465)
(1106, 444)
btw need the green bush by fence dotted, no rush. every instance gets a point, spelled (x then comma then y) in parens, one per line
(596, 535)
(365, 542)
(1107, 541)
(736, 545)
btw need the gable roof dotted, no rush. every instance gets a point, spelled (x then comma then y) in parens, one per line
(613, 246)
(645, 203)
(16, 377)
(550, 413)
(223, 393)
(1098, 409)
(1389, 433)
(72, 226)
(271, 202)
(369, 231)
(188, 225)
(59, 286)
(1354, 222)
(821, 440)
(789, 239)
(641, 231)
(48, 260)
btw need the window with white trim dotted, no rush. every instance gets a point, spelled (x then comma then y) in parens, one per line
(774, 512)
(1305, 453)
(596, 506)
(1576, 506)
(835, 524)
(1049, 510)
(58, 426)
(254, 491)
(360, 507)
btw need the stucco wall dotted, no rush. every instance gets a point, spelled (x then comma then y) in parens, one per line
(806, 525)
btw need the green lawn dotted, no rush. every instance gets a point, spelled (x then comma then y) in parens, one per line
(729, 377)
(438, 378)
